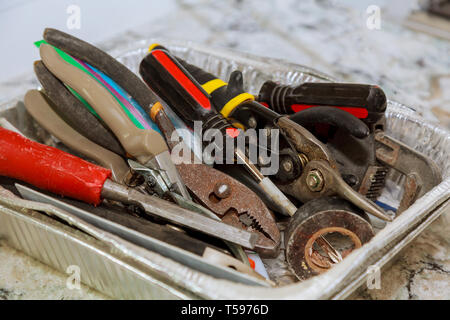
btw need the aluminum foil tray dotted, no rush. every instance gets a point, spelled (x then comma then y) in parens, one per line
(133, 272)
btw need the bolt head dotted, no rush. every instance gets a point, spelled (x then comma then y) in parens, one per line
(222, 190)
(314, 180)
(252, 122)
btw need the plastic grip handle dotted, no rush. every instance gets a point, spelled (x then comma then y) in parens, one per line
(367, 102)
(141, 144)
(49, 168)
(170, 80)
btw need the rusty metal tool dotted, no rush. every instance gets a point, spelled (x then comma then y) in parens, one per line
(51, 169)
(367, 102)
(421, 173)
(140, 177)
(309, 170)
(183, 94)
(322, 233)
(233, 202)
(147, 146)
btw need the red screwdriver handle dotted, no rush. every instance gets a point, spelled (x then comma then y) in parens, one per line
(175, 85)
(49, 168)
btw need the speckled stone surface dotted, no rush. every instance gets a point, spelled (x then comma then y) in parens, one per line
(22, 277)
(331, 36)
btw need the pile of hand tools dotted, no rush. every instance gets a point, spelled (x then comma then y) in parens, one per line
(332, 153)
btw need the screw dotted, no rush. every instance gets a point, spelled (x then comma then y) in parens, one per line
(314, 180)
(222, 190)
(287, 165)
(252, 122)
(151, 182)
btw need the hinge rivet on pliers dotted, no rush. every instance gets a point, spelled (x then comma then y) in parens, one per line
(222, 190)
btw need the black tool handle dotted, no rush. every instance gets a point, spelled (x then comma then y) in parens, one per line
(173, 83)
(366, 102)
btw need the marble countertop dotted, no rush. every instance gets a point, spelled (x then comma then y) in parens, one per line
(330, 36)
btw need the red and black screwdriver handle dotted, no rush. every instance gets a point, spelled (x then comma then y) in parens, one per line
(366, 102)
(50, 169)
(178, 88)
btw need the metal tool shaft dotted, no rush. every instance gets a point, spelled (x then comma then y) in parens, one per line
(164, 162)
(177, 215)
(267, 185)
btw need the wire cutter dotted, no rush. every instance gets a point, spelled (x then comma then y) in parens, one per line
(147, 146)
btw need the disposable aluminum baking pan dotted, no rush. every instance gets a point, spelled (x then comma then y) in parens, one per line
(161, 277)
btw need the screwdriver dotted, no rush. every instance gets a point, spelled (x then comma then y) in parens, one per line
(366, 102)
(147, 146)
(176, 86)
(54, 170)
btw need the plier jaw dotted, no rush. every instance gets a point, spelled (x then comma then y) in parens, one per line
(234, 203)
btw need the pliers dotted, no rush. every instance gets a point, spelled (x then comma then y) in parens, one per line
(147, 146)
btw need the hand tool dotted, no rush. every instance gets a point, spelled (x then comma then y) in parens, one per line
(118, 229)
(344, 225)
(39, 108)
(111, 73)
(135, 114)
(233, 202)
(421, 173)
(147, 146)
(54, 170)
(316, 172)
(74, 112)
(318, 169)
(356, 157)
(84, 51)
(174, 85)
(366, 102)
